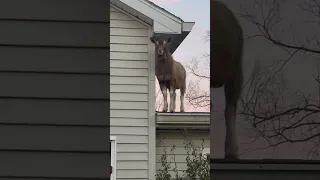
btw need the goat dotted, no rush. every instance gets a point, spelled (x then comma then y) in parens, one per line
(226, 67)
(170, 74)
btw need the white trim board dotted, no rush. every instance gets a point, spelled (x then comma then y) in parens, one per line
(163, 20)
(113, 140)
(144, 22)
(191, 121)
(152, 108)
(184, 118)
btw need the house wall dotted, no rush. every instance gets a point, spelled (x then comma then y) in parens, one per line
(129, 88)
(166, 139)
(54, 93)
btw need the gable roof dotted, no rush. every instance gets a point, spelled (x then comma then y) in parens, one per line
(165, 24)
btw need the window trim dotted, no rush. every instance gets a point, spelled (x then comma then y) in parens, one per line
(113, 159)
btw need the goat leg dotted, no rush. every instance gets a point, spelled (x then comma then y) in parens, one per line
(231, 150)
(231, 97)
(181, 102)
(165, 99)
(172, 98)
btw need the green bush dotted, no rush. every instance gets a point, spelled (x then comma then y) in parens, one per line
(198, 165)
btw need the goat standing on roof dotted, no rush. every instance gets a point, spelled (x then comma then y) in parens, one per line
(170, 74)
(226, 67)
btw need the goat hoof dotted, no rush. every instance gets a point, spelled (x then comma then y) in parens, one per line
(181, 110)
(164, 110)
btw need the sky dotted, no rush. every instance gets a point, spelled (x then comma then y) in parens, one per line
(194, 46)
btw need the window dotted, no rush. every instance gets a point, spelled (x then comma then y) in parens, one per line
(206, 152)
(113, 150)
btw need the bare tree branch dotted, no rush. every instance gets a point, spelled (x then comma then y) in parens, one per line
(280, 115)
(195, 95)
(269, 21)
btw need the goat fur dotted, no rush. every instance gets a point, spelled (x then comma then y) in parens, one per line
(226, 43)
(171, 75)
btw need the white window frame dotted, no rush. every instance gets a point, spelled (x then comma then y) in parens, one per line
(113, 140)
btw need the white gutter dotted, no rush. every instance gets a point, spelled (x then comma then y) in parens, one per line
(183, 120)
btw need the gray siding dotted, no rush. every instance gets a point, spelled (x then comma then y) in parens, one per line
(167, 139)
(129, 88)
(54, 95)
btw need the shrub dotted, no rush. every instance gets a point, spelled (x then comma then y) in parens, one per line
(198, 165)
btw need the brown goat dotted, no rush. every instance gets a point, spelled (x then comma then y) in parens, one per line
(170, 74)
(226, 67)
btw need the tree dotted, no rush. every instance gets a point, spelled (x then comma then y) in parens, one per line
(196, 96)
(278, 113)
(198, 164)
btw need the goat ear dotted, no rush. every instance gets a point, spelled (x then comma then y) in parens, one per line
(169, 40)
(152, 39)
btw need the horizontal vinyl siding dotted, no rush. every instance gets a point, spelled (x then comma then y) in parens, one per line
(166, 140)
(56, 59)
(54, 97)
(129, 94)
(49, 164)
(49, 85)
(57, 138)
(53, 33)
(86, 10)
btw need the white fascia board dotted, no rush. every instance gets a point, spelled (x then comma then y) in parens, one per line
(163, 21)
(183, 118)
(132, 12)
(187, 26)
